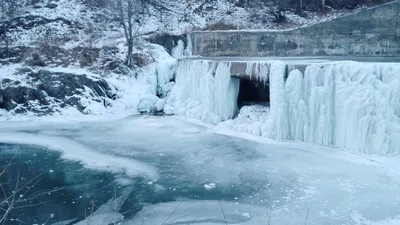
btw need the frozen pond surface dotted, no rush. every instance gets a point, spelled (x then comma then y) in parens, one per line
(166, 170)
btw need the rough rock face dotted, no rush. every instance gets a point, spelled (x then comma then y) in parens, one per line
(44, 92)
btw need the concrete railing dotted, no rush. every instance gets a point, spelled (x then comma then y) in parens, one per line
(370, 32)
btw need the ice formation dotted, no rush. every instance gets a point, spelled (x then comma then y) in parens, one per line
(351, 105)
(189, 47)
(258, 70)
(179, 51)
(204, 90)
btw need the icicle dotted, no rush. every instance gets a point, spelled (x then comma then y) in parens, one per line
(178, 51)
(348, 105)
(276, 126)
(189, 47)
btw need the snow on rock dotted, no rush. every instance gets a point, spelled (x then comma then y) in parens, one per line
(44, 91)
(204, 90)
(72, 92)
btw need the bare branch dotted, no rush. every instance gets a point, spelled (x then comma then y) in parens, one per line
(222, 210)
(173, 212)
(308, 211)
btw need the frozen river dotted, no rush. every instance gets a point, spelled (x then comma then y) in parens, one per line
(167, 170)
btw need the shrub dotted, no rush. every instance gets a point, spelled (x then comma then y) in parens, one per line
(221, 25)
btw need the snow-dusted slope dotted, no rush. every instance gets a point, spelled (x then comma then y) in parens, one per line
(78, 93)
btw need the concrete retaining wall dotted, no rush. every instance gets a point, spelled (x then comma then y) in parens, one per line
(371, 32)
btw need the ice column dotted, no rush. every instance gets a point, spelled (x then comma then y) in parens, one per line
(204, 90)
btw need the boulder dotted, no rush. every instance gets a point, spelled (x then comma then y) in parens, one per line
(44, 92)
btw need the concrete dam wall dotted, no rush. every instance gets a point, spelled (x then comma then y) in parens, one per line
(370, 32)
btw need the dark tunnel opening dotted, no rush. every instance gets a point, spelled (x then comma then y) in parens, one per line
(253, 93)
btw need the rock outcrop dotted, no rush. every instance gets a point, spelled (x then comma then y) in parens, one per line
(44, 92)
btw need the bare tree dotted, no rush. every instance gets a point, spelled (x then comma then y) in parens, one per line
(300, 7)
(129, 12)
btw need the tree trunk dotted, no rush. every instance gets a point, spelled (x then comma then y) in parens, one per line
(300, 7)
(129, 55)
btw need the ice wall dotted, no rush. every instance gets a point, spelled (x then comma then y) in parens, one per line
(349, 105)
(204, 90)
(355, 106)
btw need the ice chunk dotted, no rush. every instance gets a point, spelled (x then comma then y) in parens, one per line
(160, 104)
(167, 87)
(210, 186)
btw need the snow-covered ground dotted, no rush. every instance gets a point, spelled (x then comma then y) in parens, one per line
(253, 182)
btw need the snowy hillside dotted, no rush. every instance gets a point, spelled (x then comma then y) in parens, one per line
(53, 57)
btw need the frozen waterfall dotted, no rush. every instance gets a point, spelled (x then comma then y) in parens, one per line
(351, 105)
(204, 90)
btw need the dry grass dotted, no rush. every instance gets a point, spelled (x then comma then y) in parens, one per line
(221, 25)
